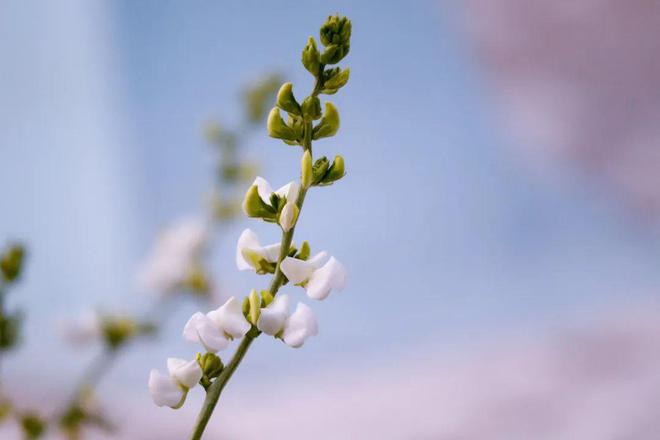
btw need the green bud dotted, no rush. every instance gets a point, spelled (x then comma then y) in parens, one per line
(336, 30)
(246, 306)
(266, 298)
(311, 58)
(297, 125)
(319, 169)
(335, 172)
(254, 206)
(311, 108)
(9, 328)
(118, 330)
(286, 101)
(304, 252)
(306, 169)
(277, 128)
(210, 364)
(258, 95)
(329, 123)
(255, 306)
(336, 82)
(11, 262)
(289, 215)
(33, 426)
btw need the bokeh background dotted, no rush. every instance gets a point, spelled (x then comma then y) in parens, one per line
(499, 219)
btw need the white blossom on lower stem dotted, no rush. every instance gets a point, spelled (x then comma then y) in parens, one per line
(171, 389)
(293, 329)
(249, 251)
(318, 280)
(173, 256)
(299, 326)
(272, 318)
(217, 328)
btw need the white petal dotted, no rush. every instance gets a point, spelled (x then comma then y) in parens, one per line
(288, 216)
(264, 189)
(296, 270)
(187, 373)
(318, 259)
(272, 318)
(271, 252)
(201, 329)
(290, 191)
(84, 331)
(165, 391)
(331, 276)
(247, 240)
(229, 318)
(300, 325)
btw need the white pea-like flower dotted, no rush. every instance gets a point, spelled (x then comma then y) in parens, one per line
(290, 190)
(217, 328)
(299, 326)
(272, 318)
(85, 330)
(318, 280)
(171, 389)
(249, 251)
(173, 256)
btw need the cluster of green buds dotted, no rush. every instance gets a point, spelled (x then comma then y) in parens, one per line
(12, 262)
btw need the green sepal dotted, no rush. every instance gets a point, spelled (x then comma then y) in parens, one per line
(277, 128)
(319, 169)
(210, 364)
(266, 298)
(11, 262)
(255, 207)
(329, 124)
(287, 101)
(303, 253)
(255, 307)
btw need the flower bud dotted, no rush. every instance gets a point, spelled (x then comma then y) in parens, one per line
(11, 262)
(329, 123)
(254, 206)
(277, 128)
(288, 216)
(304, 252)
(255, 306)
(210, 364)
(33, 425)
(319, 169)
(336, 81)
(335, 172)
(306, 169)
(286, 101)
(336, 30)
(117, 331)
(311, 108)
(311, 57)
(9, 328)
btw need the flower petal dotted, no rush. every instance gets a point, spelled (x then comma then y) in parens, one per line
(247, 240)
(272, 318)
(186, 373)
(331, 276)
(290, 191)
(300, 325)
(203, 330)
(317, 260)
(229, 318)
(271, 252)
(296, 270)
(264, 189)
(165, 391)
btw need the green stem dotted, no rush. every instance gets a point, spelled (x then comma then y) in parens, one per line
(214, 391)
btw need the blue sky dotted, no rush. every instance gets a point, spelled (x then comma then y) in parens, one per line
(448, 236)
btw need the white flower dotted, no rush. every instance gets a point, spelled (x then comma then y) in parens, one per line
(290, 190)
(293, 329)
(249, 251)
(171, 390)
(173, 256)
(217, 328)
(299, 326)
(83, 331)
(272, 318)
(318, 280)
